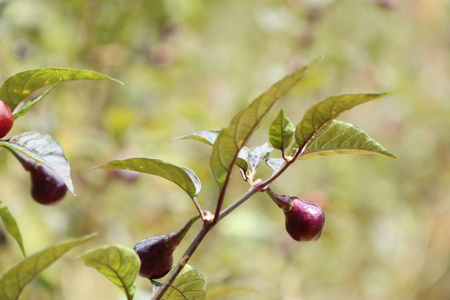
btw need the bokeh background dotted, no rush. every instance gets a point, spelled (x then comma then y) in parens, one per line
(190, 66)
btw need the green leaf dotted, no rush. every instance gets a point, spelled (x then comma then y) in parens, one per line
(207, 137)
(326, 110)
(281, 132)
(45, 149)
(189, 284)
(118, 263)
(343, 138)
(27, 106)
(11, 226)
(183, 177)
(244, 124)
(15, 279)
(18, 86)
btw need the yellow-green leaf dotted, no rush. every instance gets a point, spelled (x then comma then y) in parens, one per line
(15, 279)
(189, 284)
(18, 86)
(28, 105)
(11, 226)
(232, 138)
(118, 263)
(183, 177)
(343, 138)
(281, 132)
(326, 110)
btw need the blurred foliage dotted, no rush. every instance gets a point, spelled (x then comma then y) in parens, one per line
(190, 66)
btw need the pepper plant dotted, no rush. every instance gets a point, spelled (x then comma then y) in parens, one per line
(319, 133)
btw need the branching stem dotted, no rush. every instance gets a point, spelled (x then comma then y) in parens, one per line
(218, 217)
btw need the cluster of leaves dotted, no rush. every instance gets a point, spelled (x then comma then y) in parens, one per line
(116, 262)
(318, 134)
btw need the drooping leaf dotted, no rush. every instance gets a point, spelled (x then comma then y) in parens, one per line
(207, 137)
(11, 226)
(195, 180)
(118, 263)
(45, 149)
(27, 106)
(326, 110)
(281, 132)
(189, 284)
(232, 138)
(242, 159)
(18, 86)
(15, 279)
(275, 163)
(257, 154)
(183, 177)
(343, 138)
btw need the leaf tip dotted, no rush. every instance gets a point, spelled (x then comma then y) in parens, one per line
(392, 156)
(89, 236)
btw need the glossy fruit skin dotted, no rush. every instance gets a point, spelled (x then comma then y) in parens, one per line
(47, 187)
(6, 119)
(304, 220)
(156, 256)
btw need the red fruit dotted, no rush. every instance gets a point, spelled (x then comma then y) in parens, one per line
(47, 187)
(6, 119)
(304, 220)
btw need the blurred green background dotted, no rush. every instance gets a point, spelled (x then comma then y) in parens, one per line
(190, 66)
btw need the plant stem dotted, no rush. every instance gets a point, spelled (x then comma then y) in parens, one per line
(186, 256)
(218, 217)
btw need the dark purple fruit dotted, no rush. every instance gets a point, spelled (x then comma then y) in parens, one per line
(304, 219)
(6, 119)
(156, 253)
(47, 187)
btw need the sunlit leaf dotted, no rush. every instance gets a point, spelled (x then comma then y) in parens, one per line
(118, 263)
(281, 132)
(18, 86)
(189, 284)
(45, 149)
(18, 276)
(343, 138)
(257, 154)
(183, 177)
(207, 137)
(244, 124)
(27, 106)
(11, 226)
(275, 163)
(326, 110)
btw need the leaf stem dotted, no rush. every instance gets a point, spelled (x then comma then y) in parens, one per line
(219, 215)
(183, 261)
(199, 208)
